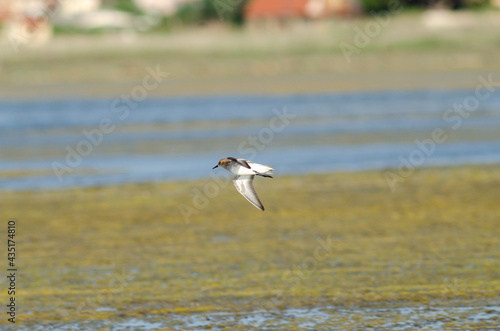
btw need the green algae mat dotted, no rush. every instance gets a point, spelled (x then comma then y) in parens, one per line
(331, 252)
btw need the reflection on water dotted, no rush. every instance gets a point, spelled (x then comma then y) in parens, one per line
(181, 138)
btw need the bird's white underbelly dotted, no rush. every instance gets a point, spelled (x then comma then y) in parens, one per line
(239, 170)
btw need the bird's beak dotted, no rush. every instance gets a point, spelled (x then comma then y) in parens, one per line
(215, 167)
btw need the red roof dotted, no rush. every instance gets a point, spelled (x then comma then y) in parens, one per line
(275, 8)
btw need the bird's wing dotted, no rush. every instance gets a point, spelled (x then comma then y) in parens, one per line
(244, 185)
(241, 162)
(260, 169)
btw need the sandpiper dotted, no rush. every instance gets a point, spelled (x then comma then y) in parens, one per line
(244, 172)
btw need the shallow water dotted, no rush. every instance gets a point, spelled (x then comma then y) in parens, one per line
(182, 138)
(321, 318)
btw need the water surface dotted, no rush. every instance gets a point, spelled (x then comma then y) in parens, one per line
(53, 144)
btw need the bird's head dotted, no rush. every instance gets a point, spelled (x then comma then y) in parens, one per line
(222, 163)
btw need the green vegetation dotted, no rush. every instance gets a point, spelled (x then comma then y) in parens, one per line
(124, 5)
(206, 11)
(434, 242)
(370, 6)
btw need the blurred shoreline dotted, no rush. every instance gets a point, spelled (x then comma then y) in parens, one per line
(406, 54)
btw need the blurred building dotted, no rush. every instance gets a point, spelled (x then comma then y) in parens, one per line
(26, 22)
(88, 15)
(29, 22)
(163, 7)
(279, 11)
(71, 8)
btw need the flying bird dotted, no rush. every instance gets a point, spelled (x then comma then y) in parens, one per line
(244, 172)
